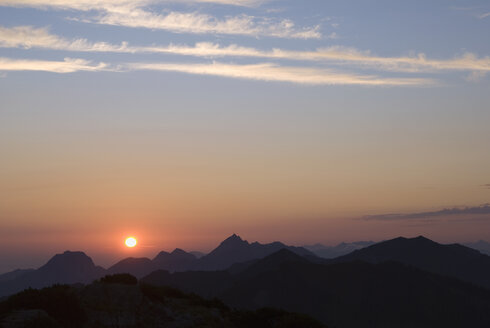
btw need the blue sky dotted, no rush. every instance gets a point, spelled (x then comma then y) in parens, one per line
(316, 42)
(289, 120)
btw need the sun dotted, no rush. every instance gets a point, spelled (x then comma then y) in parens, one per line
(131, 242)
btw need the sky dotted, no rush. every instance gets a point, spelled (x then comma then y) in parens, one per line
(182, 122)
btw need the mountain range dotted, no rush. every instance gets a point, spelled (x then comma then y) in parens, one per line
(230, 251)
(345, 294)
(396, 283)
(77, 267)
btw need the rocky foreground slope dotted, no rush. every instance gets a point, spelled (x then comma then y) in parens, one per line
(119, 301)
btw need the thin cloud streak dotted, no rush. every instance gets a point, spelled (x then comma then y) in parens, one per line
(468, 62)
(241, 3)
(69, 65)
(28, 37)
(134, 14)
(483, 16)
(259, 72)
(82, 5)
(477, 210)
(86, 5)
(275, 73)
(198, 23)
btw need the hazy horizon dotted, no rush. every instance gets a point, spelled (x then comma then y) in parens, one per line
(107, 259)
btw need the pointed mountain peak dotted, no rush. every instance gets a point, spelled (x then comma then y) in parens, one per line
(234, 240)
(179, 251)
(234, 237)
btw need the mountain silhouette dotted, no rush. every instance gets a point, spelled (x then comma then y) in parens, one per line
(482, 246)
(236, 250)
(450, 260)
(352, 294)
(397, 283)
(14, 274)
(138, 267)
(233, 250)
(274, 261)
(197, 254)
(178, 260)
(66, 268)
(330, 252)
(76, 267)
(70, 267)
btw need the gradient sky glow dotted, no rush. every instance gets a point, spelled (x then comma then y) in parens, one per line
(182, 122)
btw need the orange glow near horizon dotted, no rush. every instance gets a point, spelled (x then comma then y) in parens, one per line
(131, 242)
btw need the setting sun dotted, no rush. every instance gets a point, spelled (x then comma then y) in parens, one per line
(131, 242)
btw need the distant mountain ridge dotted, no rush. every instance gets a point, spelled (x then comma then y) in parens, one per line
(450, 260)
(66, 268)
(178, 260)
(482, 246)
(237, 255)
(77, 267)
(397, 283)
(236, 250)
(230, 251)
(14, 274)
(137, 267)
(330, 252)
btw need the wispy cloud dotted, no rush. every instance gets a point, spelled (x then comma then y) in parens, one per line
(474, 11)
(101, 4)
(277, 73)
(487, 186)
(262, 71)
(137, 14)
(244, 3)
(477, 210)
(68, 65)
(476, 76)
(199, 23)
(485, 15)
(83, 5)
(28, 37)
